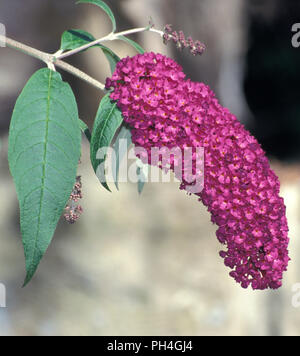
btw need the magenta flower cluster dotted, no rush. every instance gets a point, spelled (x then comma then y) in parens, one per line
(241, 192)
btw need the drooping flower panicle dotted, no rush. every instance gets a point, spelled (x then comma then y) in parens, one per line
(164, 109)
(195, 47)
(73, 210)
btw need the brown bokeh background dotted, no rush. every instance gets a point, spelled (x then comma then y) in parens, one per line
(149, 264)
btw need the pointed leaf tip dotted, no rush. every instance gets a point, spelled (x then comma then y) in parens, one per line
(104, 7)
(43, 153)
(108, 120)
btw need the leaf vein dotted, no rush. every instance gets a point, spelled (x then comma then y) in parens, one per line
(44, 172)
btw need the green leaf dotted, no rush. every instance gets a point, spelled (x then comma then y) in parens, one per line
(104, 7)
(142, 174)
(121, 145)
(44, 150)
(141, 183)
(112, 58)
(73, 39)
(133, 44)
(108, 119)
(122, 142)
(85, 129)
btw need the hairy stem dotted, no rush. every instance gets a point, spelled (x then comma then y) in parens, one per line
(111, 37)
(50, 60)
(80, 74)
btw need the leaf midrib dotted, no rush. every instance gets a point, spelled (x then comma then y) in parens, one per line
(43, 170)
(102, 131)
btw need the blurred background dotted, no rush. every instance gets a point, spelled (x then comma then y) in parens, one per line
(149, 264)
